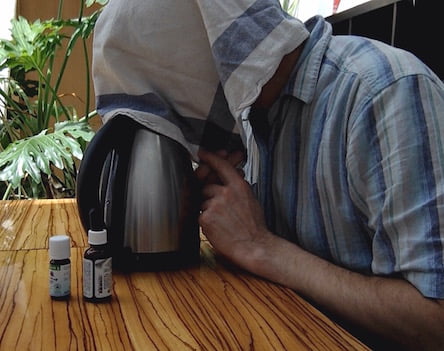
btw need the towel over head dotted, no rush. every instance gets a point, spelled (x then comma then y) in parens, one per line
(189, 69)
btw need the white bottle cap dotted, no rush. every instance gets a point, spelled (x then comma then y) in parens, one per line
(97, 237)
(59, 247)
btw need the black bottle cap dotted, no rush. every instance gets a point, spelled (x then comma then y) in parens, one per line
(96, 222)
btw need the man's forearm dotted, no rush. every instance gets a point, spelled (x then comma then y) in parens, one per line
(392, 308)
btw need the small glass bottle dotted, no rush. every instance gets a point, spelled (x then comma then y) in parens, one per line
(97, 264)
(59, 267)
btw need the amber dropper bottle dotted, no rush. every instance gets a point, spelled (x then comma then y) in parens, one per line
(97, 263)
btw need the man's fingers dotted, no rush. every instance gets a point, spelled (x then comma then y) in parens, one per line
(203, 172)
(210, 191)
(222, 153)
(236, 158)
(224, 169)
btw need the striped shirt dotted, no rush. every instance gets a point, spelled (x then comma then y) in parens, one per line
(352, 165)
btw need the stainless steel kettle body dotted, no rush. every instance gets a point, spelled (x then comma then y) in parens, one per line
(144, 186)
(158, 194)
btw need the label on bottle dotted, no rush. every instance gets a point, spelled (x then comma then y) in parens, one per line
(88, 282)
(59, 279)
(97, 278)
(103, 277)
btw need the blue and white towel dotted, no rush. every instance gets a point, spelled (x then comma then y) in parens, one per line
(189, 69)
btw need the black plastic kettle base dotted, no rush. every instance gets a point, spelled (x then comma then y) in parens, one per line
(154, 262)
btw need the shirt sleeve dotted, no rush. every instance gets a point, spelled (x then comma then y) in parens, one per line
(399, 184)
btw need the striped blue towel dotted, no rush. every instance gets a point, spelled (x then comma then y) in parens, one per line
(189, 69)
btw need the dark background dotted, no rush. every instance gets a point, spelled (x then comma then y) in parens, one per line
(416, 26)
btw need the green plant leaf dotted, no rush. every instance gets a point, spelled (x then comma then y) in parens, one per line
(36, 154)
(77, 130)
(31, 44)
(89, 3)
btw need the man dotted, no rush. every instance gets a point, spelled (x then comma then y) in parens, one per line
(329, 165)
(347, 156)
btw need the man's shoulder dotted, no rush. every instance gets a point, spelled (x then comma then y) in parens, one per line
(373, 62)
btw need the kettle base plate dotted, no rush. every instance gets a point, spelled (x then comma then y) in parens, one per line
(128, 261)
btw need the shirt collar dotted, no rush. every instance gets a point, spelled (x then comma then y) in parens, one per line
(303, 80)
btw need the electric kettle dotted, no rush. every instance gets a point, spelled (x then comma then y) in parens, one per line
(143, 186)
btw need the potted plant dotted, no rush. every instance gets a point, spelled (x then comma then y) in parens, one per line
(42, 137)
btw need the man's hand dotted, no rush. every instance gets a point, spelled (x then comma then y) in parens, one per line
(231, 218)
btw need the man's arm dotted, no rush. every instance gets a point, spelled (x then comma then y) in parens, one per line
(233, 222)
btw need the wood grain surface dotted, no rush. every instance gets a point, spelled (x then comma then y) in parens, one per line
(211, 306)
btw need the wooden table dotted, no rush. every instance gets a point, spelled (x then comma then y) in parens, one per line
(206, 307)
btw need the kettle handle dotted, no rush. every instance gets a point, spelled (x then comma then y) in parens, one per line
(113, 135)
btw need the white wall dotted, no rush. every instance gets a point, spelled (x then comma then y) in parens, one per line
(347, 4)
(309, 8)
(6, 14)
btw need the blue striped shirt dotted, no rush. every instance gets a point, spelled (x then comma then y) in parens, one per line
(353, 166)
